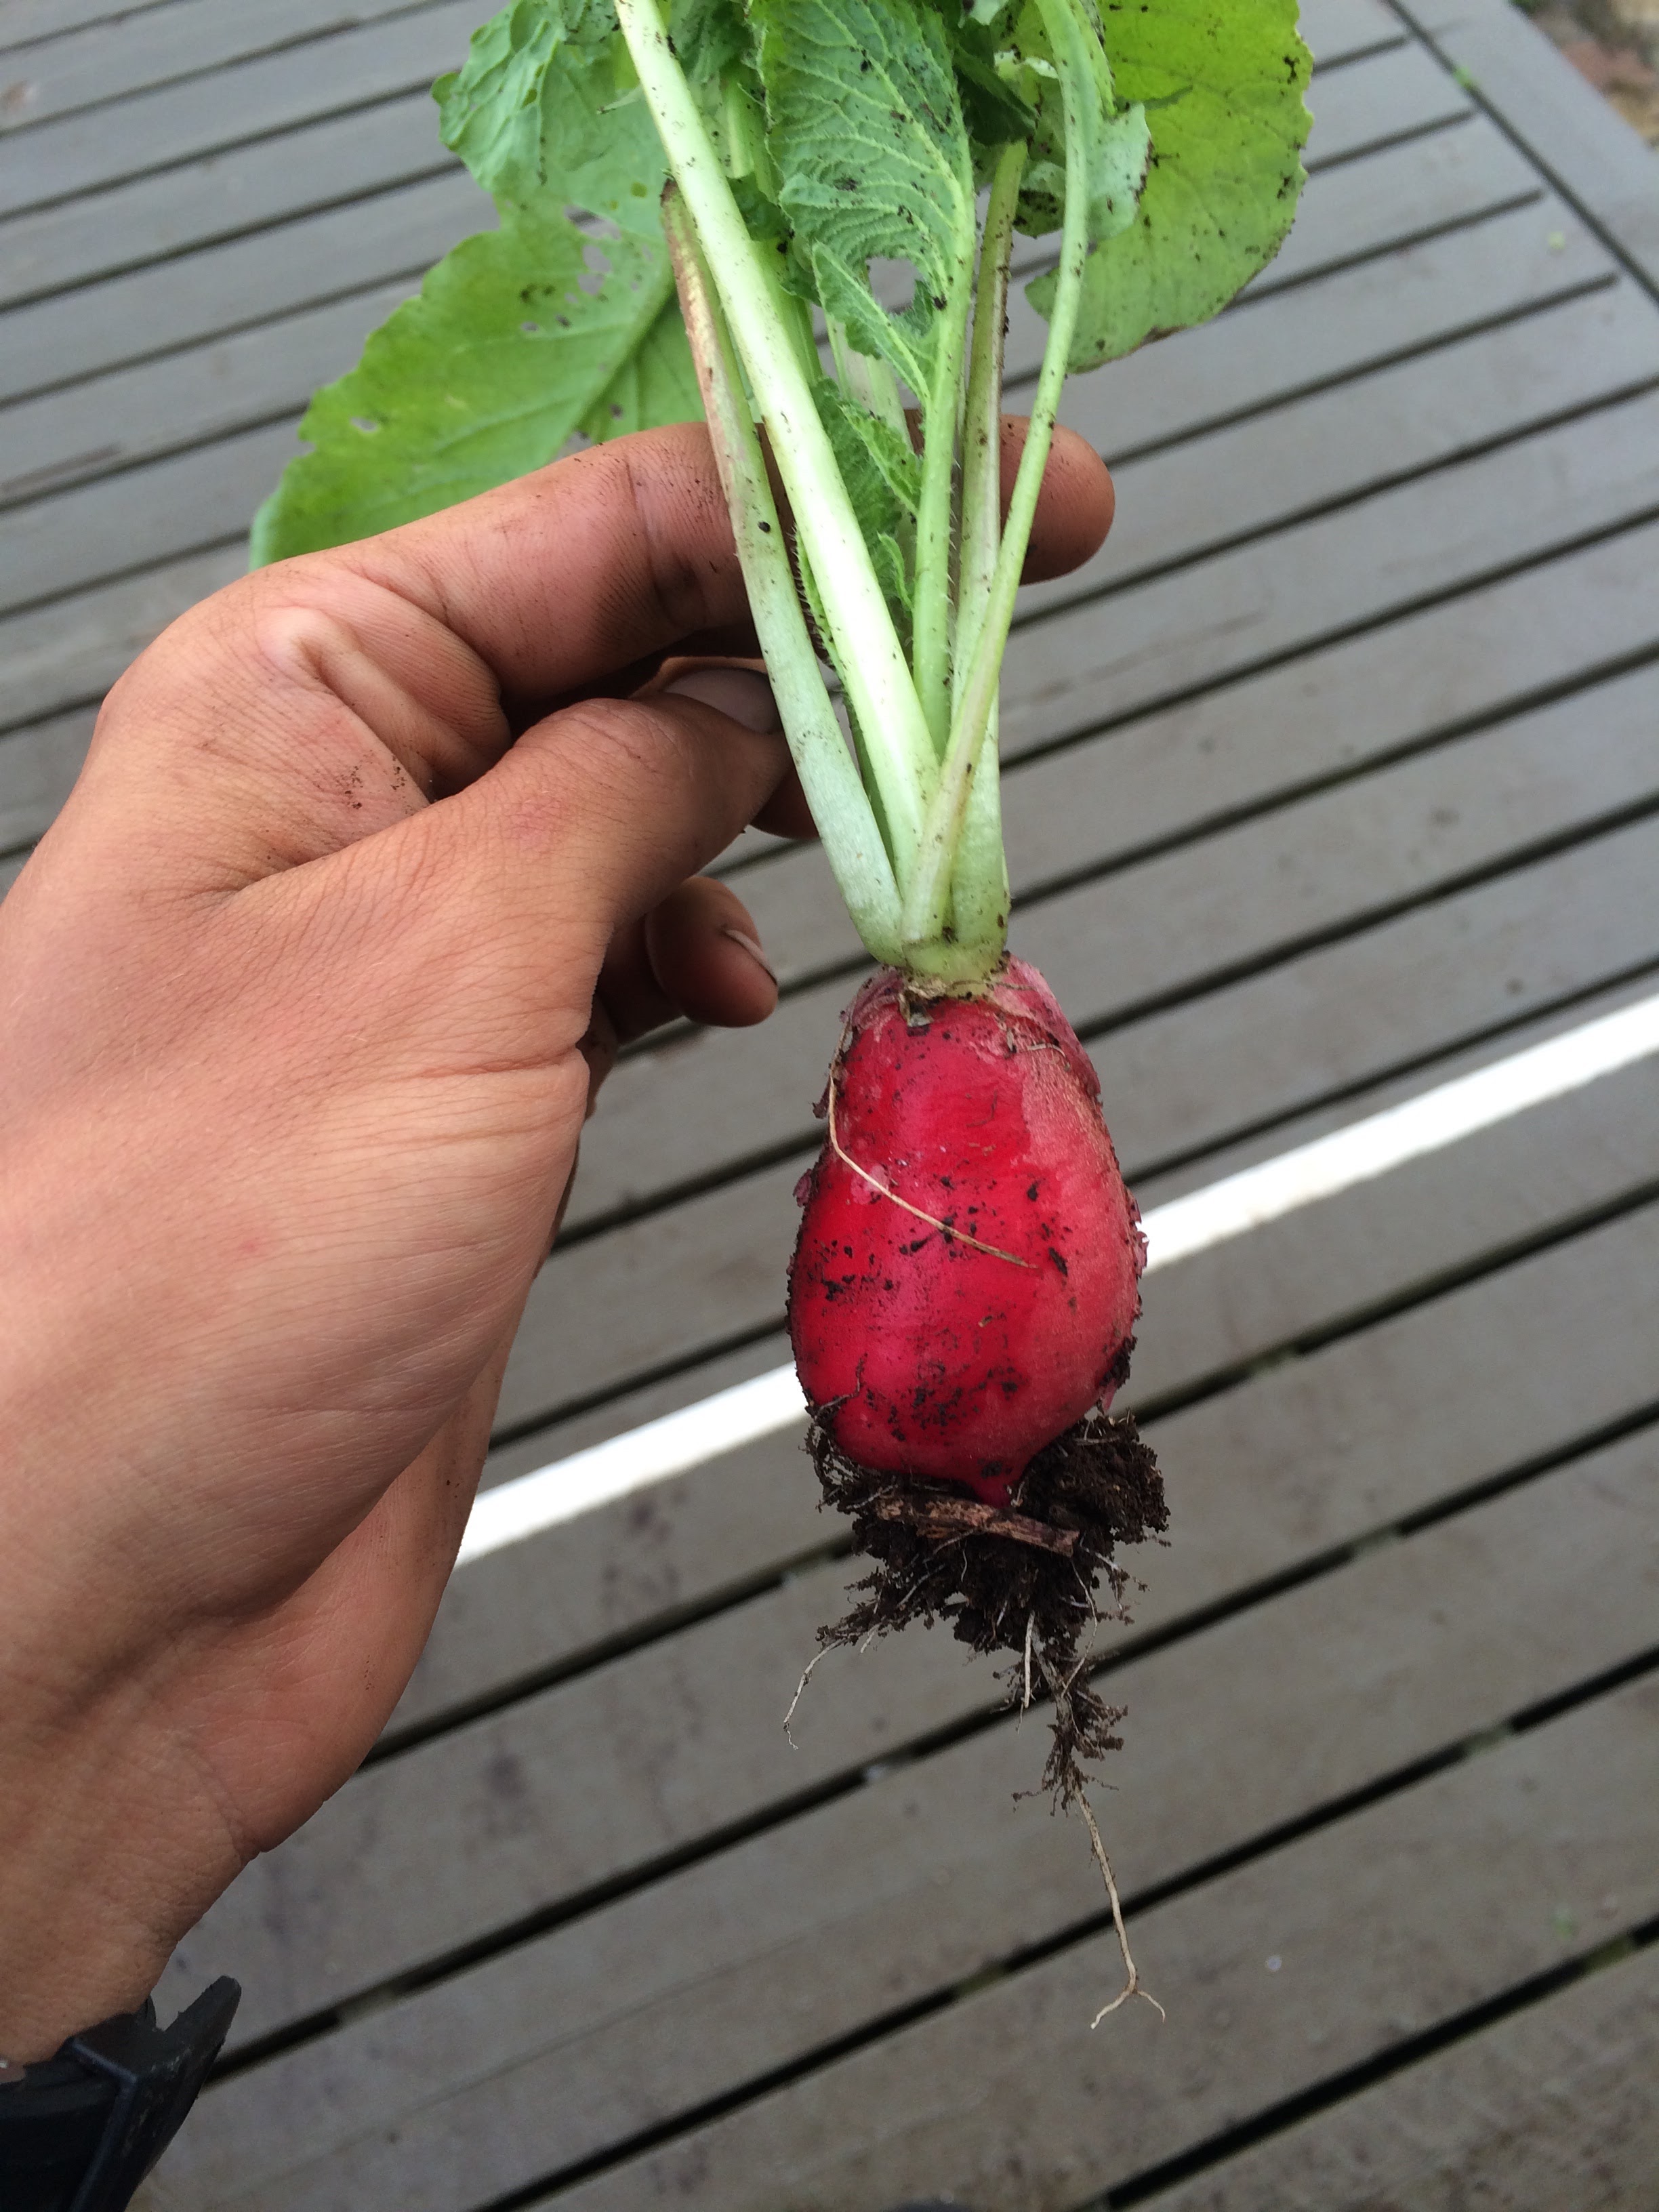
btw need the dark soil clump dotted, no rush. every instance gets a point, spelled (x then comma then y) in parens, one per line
(1025, 1579)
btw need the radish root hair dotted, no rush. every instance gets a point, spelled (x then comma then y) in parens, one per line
(1131, 1984)
(945, 1228)
(800, 1691)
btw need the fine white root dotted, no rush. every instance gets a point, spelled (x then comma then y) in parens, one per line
(1131, 1984)
(960, 1235)
(800, 1691)
(1030, 1623)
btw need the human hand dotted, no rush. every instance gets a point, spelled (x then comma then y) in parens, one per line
(306, 996)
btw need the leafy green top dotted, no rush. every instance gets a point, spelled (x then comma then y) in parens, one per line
(547, 326)
(561, 320)
(832, 156)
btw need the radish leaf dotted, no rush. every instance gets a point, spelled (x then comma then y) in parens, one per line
(883, 475)
(1222, 81)
(523, 335)
(866, 132)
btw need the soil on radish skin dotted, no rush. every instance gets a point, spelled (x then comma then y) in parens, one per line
(935, 1558)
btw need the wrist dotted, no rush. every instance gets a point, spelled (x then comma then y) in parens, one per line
(112, 1848)
(82, 2128)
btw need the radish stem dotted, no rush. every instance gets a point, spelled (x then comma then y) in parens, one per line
(834, 792)
(867, 645)
(931, 652)
(926, 896)
(979, 896)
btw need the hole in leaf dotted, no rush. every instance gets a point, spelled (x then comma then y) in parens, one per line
(894, 283)
(365, 423)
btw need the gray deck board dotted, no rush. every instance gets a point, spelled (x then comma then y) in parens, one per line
(158, 227)
(1405, 1915)
(69, 653)
(38, 767)
(48, 537)
(1551, 2106)
(1419, 415)
(178, 401)
(181, 505)
(87, 663)
(1332, 775)
(268, 93)
(1322, 329)
(241, 187)
(1551, 111)
(86, 66)
(194, 297)
(1228, 483)
(930, 1876)
(1519, 264)
(262, 191)
(1385, 554)
(1595, 464)
(1327, 329)
(23, 22)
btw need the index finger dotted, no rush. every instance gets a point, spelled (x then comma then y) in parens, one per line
(561, 577)
(603, 560)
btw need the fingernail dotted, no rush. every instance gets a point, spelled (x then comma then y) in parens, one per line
(742, 937)
(742, 693)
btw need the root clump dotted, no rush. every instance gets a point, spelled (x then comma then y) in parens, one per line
(1022, 1579)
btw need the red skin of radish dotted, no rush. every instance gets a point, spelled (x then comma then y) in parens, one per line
(923, 1354)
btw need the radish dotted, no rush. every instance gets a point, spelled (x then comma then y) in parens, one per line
(695, 204)
(967, 1276)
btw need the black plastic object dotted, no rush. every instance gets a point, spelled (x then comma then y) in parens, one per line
(79, 2131)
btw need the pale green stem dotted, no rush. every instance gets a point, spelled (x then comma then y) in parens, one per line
(979, 882)
(794, 316)
(931, 649)
(866, 380)
(745, 146)
(927, 896)
(739, 132)
(840, 806)
(866, 645)
(982, 444)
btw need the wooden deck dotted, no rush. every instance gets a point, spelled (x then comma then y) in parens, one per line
(1337, 773)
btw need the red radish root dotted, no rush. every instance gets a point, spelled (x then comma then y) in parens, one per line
(965, 1283)
(962, 1297)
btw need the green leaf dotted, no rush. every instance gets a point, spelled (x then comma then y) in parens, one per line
(1119, 144)
(866, 132)
(1118, 153)
(483, 377)
(882, 471)
(709, 36)
(656, 384)
(547, 100)
(522, 336)
(1222, 81)
(995, 111)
